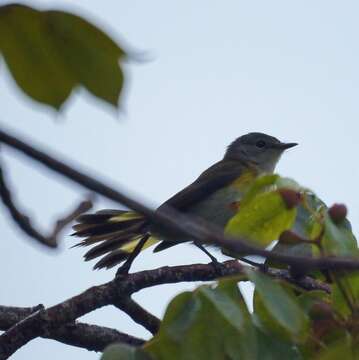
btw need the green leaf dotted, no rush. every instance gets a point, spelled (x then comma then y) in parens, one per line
(272, 348)
(210, 324)
(260, 184)
(277, 308)
(309, 299)
(262, 219)
(306, 225)
(90, 55)
(287, 183)
(49, 53)
(339, 350)
(183, 312)
(226, 307)
(338, 240)
(124, 352)
(349, 283)
(324, 326)
(32, 57)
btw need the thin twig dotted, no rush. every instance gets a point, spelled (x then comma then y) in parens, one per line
(46, 321)
(24, 222)
(87, 336)
(79, 209)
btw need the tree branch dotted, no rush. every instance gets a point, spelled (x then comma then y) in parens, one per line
(79, 209)
(90, 337)
(138, 314)
(24, 222)
(172, 220)
(44, 322)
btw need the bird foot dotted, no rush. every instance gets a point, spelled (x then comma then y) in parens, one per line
(123, 271)
(218, 267)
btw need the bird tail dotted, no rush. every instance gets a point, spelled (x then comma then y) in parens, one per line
(114, 234)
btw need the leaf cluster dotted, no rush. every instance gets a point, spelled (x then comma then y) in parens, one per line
(284, 321)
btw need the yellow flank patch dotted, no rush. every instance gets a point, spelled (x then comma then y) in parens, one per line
(129, 215)
(243, 181)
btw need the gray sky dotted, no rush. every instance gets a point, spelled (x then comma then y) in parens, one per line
(218, 70)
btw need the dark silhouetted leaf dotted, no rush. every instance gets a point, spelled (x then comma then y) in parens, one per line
(32, 57)
(49, 53)
(90, 55)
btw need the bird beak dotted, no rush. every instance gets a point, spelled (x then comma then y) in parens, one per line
(285, 146)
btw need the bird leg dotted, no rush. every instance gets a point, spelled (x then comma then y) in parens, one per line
(125, 268)
(216, 264)
(261, 266)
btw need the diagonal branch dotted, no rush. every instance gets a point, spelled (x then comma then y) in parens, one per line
(138, 314)
(24, 222)
(43, 322)
(90, 337)
(172, 220)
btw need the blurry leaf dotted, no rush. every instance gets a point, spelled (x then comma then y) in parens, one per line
(124, 352)
(225, 306)
(181, 314)
(32, 57)
(326, 330)
(262, 219)
(339, 350)
(308, 300)
(337, 239)
(287, 183)
(349, 283)
(277, 308)
(306, 225)
(260, 184)
(324, 327)
(90, 55)
(209, 324)
(289, 249)
(49, 53)
(272, 348)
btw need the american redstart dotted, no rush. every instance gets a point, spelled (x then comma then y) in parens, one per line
(118, 235)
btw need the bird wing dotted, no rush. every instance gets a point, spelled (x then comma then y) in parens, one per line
(214, 178)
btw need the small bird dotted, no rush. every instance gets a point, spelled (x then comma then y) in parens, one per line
(119, 235)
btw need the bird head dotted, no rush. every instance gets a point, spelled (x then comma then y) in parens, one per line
(258, 149)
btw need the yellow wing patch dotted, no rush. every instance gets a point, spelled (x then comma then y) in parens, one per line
(129, 215)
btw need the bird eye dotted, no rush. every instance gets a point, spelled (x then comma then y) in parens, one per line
(260, 143)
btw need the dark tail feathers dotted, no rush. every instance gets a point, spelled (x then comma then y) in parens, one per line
(115, 233)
